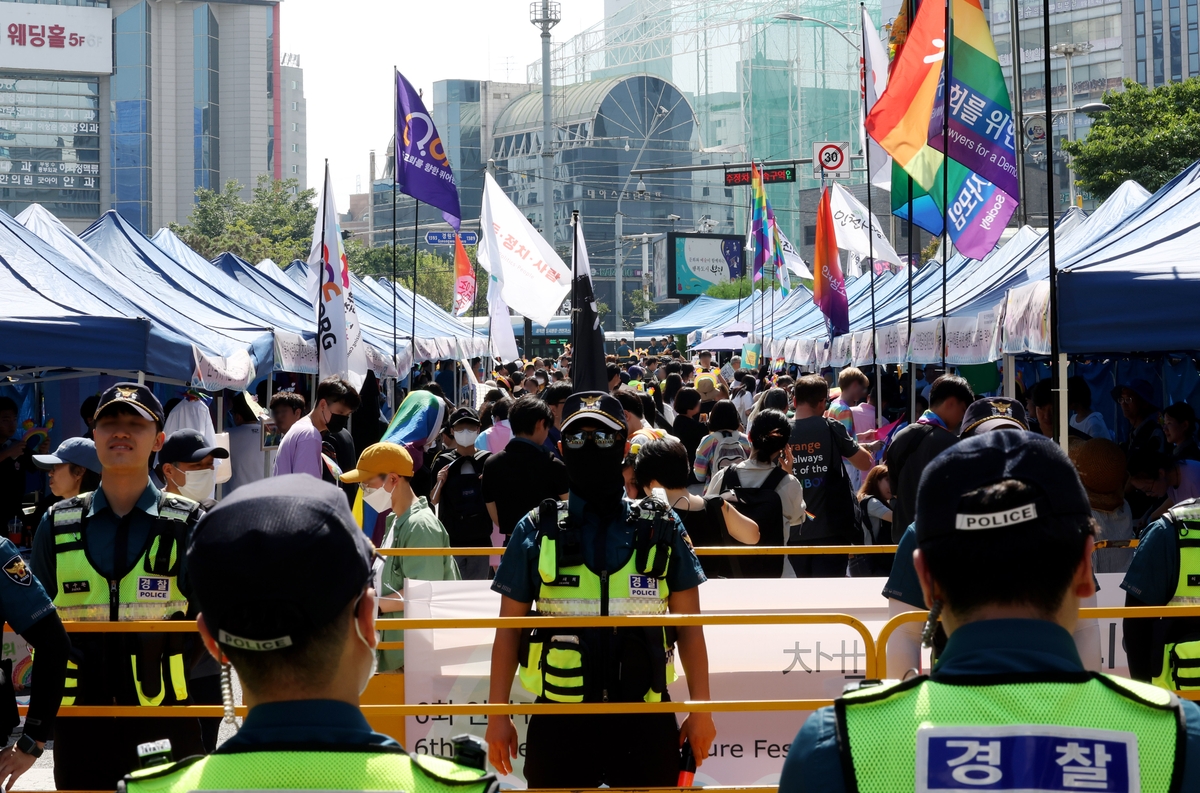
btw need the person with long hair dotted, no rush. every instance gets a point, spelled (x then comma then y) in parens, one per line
(874, 495)
(725, 443)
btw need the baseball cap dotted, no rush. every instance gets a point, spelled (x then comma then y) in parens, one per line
(136, 396)
(379, 459)
(636, 372)
(595, 406)
(993, 413)
(298, 524)
(188, 446)
(78, 451)
(463, 414)
(982, 460)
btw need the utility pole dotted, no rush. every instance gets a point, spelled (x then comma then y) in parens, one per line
(544, 15)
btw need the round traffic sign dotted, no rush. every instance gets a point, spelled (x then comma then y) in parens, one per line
(831, 157)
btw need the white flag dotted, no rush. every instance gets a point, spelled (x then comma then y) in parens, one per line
(504, 341)
(533, 280)
(850, 225)
(791, 257)
(339, 336)
(875, 76)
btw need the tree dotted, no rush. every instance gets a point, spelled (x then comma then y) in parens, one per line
(1148, 136)
(275, 224)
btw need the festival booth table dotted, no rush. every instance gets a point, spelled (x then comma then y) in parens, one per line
(746, 662)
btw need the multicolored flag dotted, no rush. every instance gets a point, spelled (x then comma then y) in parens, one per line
(422, 167)
(768, 245)
(464, 279)
(829, 287)
(340, 346)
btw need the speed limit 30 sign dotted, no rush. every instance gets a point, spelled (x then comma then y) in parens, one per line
(831, 159)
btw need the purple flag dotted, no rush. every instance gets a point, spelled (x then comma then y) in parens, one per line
(422, 168)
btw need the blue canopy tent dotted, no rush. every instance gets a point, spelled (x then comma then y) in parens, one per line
(430, 312)
(703, 312)
(298, 272)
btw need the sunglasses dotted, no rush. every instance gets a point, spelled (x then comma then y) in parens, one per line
(604, 439)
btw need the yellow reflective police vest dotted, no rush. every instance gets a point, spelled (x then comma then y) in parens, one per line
(364, 768)
(149, 591)
(576, 665)
(1098, 732)
(1181, 659)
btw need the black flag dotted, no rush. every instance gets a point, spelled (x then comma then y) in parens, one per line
(588, 371)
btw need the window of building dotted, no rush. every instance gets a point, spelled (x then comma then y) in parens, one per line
(295, 105)
(293, 85)
(295, 147)
(295, 169)
(810, 235)
(206, 73)
(295, 127)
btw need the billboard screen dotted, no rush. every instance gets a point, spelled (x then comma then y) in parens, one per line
(55, 38)
(698, 261)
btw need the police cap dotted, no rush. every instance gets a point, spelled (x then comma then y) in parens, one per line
(291, 523)
(136, 396)
(595, 406)
(993, 413)
(1058, 505)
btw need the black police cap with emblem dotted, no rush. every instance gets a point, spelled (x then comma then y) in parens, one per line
(993, 413)
(597, 406)
(135, 396)
(292, 523)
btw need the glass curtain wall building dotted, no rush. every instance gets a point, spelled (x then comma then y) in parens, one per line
(206, 95)
(131, 188)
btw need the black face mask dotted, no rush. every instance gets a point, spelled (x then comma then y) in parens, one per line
(595, 474)
(337, 422)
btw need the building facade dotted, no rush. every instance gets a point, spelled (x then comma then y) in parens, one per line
(294, 118)
(165, 99)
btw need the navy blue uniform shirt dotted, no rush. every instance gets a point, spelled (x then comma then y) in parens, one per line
(903, 584)
(23, 601)
(517, 575)
(994, 647)
(1153, 573)
(325, 721)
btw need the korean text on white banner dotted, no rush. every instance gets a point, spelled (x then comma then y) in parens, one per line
(791, 257)
(340, 347)
(533, 279)
(850, 224)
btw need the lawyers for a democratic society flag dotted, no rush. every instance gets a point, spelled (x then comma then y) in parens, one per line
(588, 370)
(340, 349)
(850, 222)
(533, 280)
(422, 167)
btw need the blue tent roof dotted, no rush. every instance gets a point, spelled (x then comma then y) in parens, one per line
(1136, 288)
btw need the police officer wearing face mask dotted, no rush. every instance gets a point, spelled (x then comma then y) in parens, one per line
(598, 554)
(303, 655)
(188, 466)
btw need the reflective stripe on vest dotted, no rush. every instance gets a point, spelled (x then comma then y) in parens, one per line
(1010, 736)
(1180, 670)
(365, 768)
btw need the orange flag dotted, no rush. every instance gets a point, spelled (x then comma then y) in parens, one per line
(464, 279)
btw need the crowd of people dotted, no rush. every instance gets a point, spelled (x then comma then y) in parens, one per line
(595, 502)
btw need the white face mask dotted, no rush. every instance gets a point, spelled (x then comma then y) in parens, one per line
(378, 498)
(465, 437)
(363, 639)
(198, 485)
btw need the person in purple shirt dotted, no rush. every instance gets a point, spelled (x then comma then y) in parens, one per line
(300, 451)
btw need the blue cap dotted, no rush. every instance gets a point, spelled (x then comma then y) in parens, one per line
(80, 451)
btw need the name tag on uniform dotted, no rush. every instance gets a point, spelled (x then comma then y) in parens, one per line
(76, 587)
(1030, 758)
(153, 588)
(643, 586)
(567, 580)
(1193, 579)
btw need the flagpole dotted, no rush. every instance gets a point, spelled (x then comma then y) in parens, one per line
(949, 73)
(912, 375)
(870, 227)
(321, 277)
(1056, 383)
(574, 291)
(395, 174)
(416, 225)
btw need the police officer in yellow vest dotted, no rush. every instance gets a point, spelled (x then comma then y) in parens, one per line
(1009, 705)
(598, 554)
(304, 653)
(115, 555)
(1165, 571)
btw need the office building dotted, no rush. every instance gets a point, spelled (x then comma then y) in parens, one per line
(293, 118)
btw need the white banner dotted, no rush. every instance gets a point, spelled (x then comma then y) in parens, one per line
(875, 77)
(970, 340)
(294, 354)
(533, 280)
(850, 224)
(500, 329)
(745, 662)
(1026, 319)
(214, 374)
(840, 349)
(339, 335)
(893, 343)
(791, 257)
(925, 346)
(56, 38)
(862, 352)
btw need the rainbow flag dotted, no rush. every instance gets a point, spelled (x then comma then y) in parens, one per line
(768, 245)
(829, 287)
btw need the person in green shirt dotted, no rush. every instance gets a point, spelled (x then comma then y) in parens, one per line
(385, 473)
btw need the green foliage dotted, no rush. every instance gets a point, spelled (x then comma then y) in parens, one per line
(639, 304)
(435, 274)
(931, 250)
(736, 288)
(274, 224)
(1148, 136)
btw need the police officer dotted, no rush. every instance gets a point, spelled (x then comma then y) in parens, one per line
(1165, 571)
(1009, 705)
(118, 554)
(597, 554)
(303, 654)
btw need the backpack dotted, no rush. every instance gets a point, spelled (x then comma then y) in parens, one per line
(729, 451)
(763, 506)
(461, 507)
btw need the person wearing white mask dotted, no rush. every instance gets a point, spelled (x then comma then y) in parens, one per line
(188, 467)
(385, 473)
(458, 494)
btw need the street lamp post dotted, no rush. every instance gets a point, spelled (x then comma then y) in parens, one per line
(1067, 50)
(619, 298)
(789, 17)
(1091, 108)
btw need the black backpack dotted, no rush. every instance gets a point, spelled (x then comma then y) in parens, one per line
(763, 506)
(461, 507)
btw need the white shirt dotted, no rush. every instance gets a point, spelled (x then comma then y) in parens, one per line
(245, 455)
(1093, 425)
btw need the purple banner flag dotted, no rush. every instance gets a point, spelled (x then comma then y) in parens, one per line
(422, 168)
